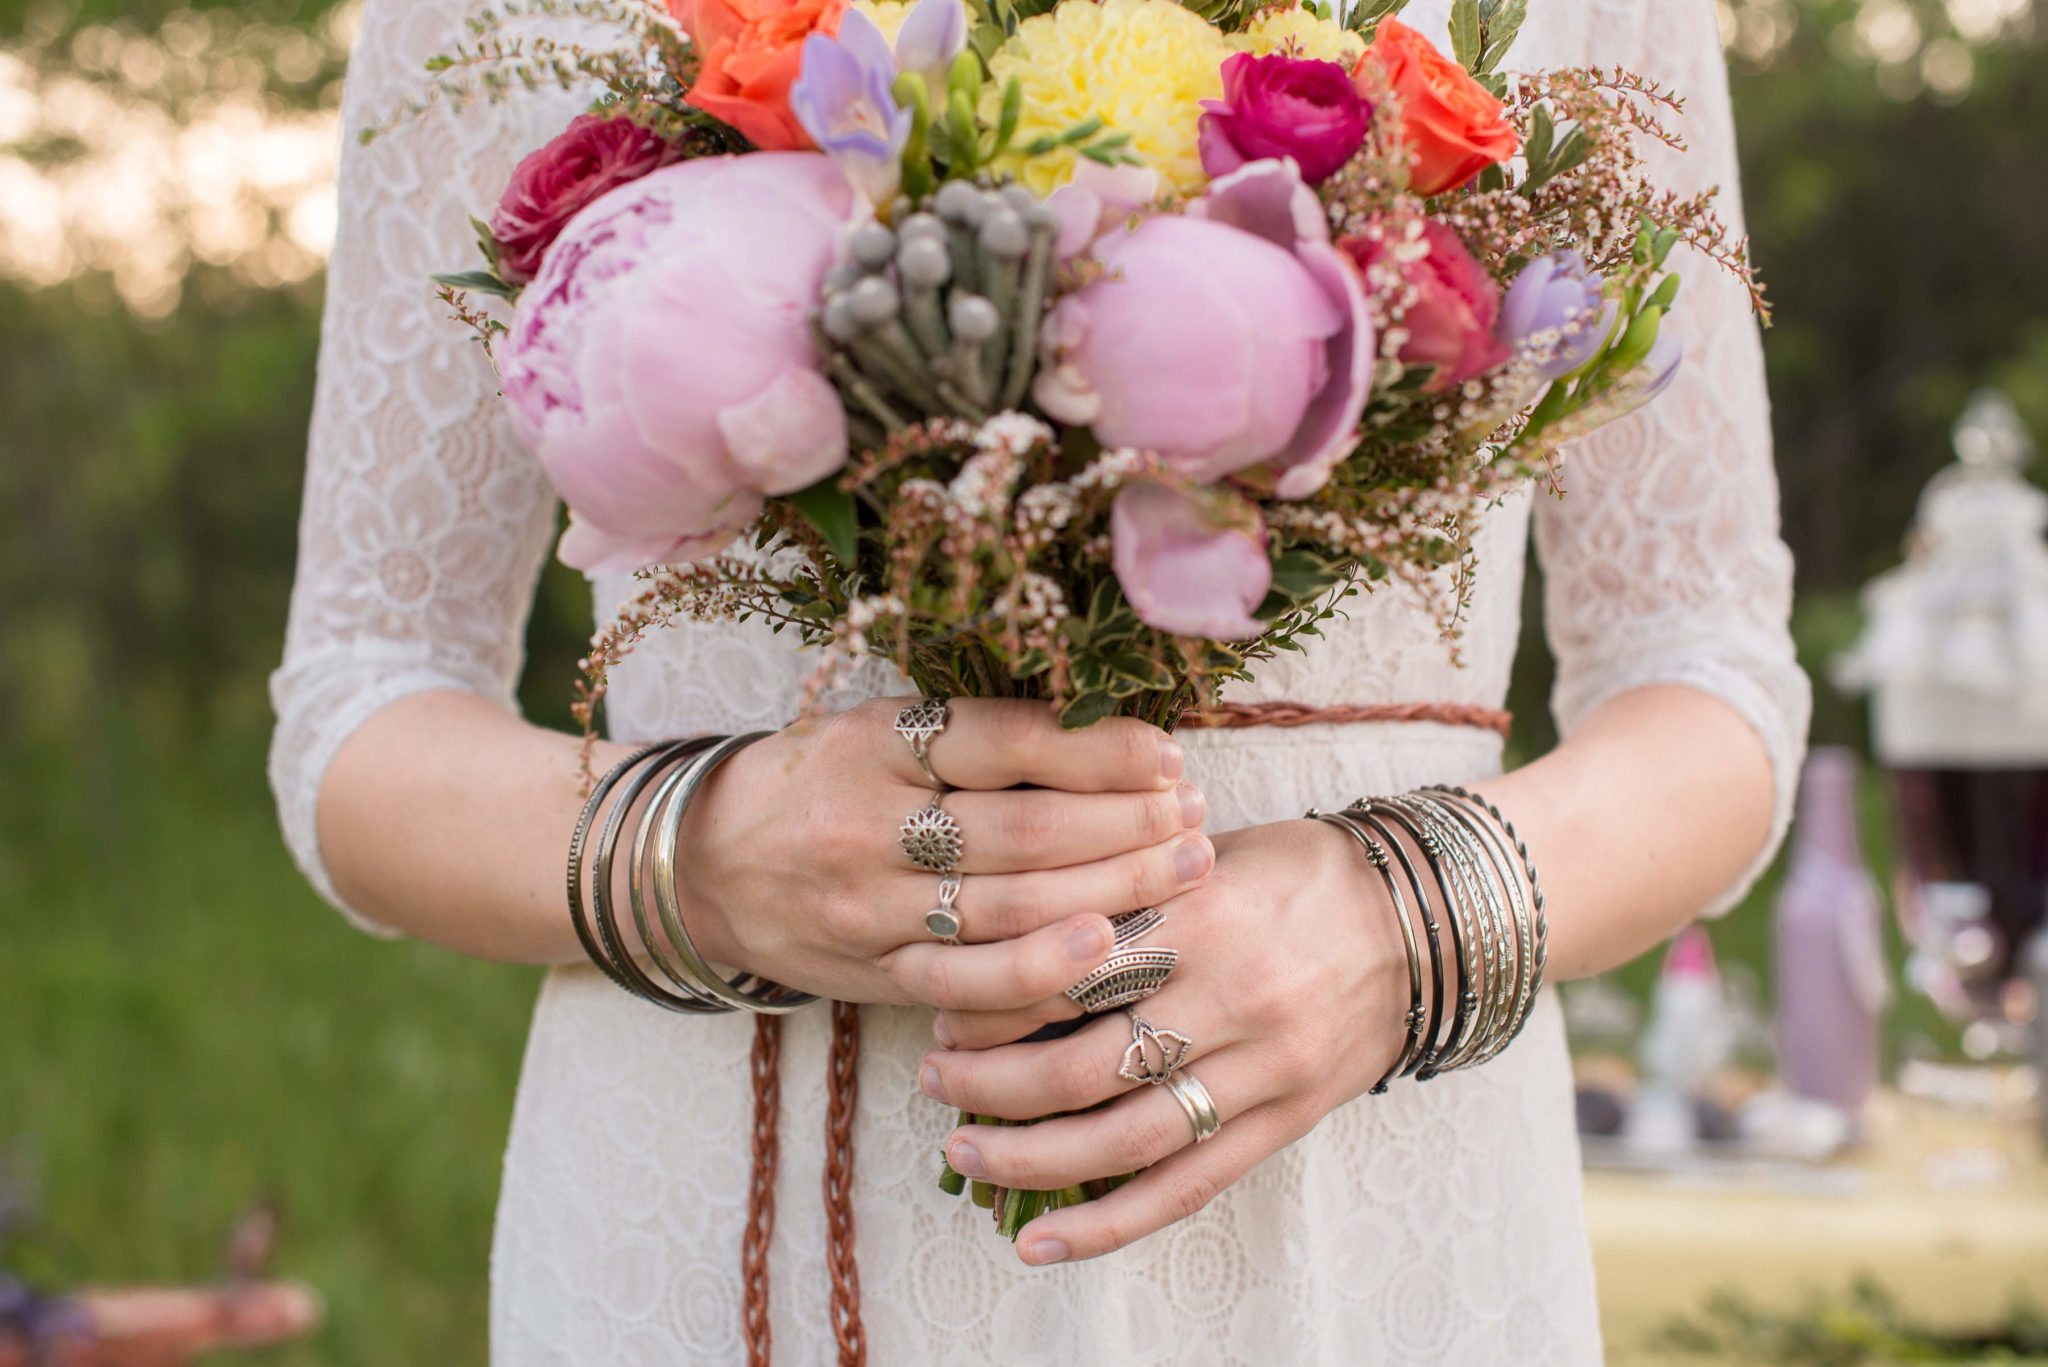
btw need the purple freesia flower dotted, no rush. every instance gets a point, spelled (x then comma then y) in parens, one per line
(1555, 305)
(843, 98)
(1185, 571)
(933, 34)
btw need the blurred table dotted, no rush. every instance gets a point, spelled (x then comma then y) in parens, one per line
(1946, 1207)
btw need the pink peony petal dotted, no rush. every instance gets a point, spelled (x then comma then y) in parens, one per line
(1181, 572)
(790, 435)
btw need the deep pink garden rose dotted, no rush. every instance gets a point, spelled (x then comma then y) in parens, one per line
(1185, 568)
(1450, 322)
(594, 154)
(1281, 106)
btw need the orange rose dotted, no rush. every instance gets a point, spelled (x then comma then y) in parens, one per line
(1451, 123)
(753, 50)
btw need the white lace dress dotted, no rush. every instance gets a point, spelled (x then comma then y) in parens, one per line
(1438, 1224)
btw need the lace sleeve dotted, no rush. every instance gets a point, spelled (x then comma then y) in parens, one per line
(424, 524)
(1662, 562)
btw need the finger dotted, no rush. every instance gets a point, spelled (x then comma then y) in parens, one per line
(1002, 906)
(1023, 829)
(1027, 1080)
(1162, 1195)
(1129, 1134)
(992, 743)
(1005, 975)
(992, 1029)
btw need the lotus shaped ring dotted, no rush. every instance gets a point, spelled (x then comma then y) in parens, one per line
(1148, 1042)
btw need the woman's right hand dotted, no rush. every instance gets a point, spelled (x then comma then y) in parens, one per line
(791, 864)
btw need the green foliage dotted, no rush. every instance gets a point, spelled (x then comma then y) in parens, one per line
(1864, 1328)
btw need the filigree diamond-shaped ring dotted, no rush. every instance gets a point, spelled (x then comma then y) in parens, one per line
(931, 838)
(917, 724)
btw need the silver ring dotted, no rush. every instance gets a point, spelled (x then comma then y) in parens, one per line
(943, 920)
(917, 724)
(1196, 1103)
(1126, 976)
(931, 838)
(1133, 926)
(1147, 1039)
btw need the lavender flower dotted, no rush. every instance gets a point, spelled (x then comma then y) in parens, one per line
(843, 99)
(1554, 306)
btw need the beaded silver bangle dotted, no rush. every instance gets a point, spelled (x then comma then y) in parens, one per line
(1376, 855)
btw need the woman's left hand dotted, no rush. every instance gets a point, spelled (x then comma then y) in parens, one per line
(1292, 987)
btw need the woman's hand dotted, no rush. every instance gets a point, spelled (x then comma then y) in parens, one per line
(1292, 986)
(794, 869)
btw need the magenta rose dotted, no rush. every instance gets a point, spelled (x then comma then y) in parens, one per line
(1280, 106)
(1451, 302)
(594, 154)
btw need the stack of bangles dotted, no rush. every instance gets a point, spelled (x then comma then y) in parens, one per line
(669, 774)
(1468, 879)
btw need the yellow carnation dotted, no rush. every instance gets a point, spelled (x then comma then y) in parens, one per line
(1300, 32)
(1141, 66)
(887, 14)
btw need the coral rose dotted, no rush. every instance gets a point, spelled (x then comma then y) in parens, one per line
(661, 364)
(753, 52)
(1453, 301)
(594, 154)
(1452, 124)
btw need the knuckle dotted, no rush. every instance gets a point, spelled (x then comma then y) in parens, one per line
(942, 980)
(1075, 1079)
(1144, 1139)
(1015, 909)
(844, 918)
(1015, 731)
(1029, 825)
(1188, 1191)
(1158, 817)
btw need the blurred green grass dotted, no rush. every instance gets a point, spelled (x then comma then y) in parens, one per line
(186, 1030)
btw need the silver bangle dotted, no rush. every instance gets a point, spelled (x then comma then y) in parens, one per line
(1473, 903)
(747, 992)
(1529, 914)
(1413, 1020)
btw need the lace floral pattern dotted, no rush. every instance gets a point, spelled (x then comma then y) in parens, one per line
(1436, 1224)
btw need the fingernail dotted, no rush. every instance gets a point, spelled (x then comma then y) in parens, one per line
(1089, 940)
(928, 1083)
(942, 1032)
(1039, 1252)
(1170, 759)
(966, 1159)
(1192, 804)
(1191, 859)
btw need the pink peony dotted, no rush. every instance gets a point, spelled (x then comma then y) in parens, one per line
(1216, 338)
(1185, 568)
(1450, 320)
(1281, 106)
(594, 154)
(661, 364)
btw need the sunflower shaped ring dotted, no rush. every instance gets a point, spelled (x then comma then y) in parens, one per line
(931, 838)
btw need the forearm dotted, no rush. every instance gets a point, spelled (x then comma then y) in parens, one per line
(448, 818)
(1654, 805)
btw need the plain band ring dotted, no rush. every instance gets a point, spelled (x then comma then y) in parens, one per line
(1195, 1103)
(1126, 976)
(943, 920)
(1146, 1037)
(917, 724)
(931, 838)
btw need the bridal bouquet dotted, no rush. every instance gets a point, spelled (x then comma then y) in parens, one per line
(1085, 350)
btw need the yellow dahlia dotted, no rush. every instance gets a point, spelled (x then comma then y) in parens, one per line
(1300, 32)
(887, 14)
(1141, 66)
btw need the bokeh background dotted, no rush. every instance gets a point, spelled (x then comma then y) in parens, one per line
(186, 1032)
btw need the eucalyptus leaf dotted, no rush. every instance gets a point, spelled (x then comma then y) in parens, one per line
(483, 282)
(830, 509)
(1465, 42)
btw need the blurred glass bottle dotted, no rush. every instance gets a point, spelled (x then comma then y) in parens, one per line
(1832, 983)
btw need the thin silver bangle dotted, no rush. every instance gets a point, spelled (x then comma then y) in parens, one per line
(1472, 903)
(1539, 947)
(1503, 878)
(747, 992)
(1441, 981)
(1376, 855)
